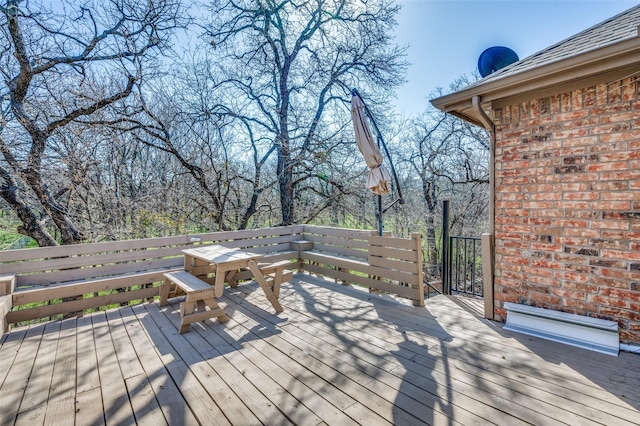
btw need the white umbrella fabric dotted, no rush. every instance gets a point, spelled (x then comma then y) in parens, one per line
(379, 180)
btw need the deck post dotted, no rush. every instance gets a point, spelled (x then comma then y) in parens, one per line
(7, 285)
(487, 274)
(419, 284)
(445, 247)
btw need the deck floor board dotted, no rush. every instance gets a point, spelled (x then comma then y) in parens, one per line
(335, 356)
(419, 380)
(553, 362)
(522, 389)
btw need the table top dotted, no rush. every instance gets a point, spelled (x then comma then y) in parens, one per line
(217, 254)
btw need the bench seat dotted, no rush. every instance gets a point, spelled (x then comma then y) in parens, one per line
(333, 259)
(275, 271)
(75, 289)
(199, 304)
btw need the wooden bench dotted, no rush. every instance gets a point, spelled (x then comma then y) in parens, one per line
(75, 290)
(199, 304)
(276, 273)
(388, 264)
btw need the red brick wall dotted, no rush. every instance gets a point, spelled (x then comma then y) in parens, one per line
(567, 234)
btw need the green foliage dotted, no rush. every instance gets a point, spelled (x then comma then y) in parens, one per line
(9, 234)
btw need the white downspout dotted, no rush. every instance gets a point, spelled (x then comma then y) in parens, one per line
(489, 244)
(488, 124)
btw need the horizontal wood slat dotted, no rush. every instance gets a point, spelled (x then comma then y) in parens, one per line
(285, 255)
(337, 232)
(47, 278)
(270, 249)
(270, 241)
(216, 237)
(76, 289)
(264, 243)
(342, 262)
(394, 253)
(89, 248)
(410, 267)
(97, 260)
(80, 305)
(397, 243)
(341, 242)
(364, 281)
(353, 255)
(341, 251)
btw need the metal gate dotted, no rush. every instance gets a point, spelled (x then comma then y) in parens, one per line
(461, 261)
(465, 266)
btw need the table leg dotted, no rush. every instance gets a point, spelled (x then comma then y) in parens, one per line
(230, 278)
(219, 284)
(268, 291)
(164, 292)
(277, 281)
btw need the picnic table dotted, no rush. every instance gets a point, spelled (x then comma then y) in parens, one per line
(225, 262)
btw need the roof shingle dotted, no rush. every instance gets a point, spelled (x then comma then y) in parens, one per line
(618, 28)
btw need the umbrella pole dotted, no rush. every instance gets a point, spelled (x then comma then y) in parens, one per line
(380, 141)
(379, 214)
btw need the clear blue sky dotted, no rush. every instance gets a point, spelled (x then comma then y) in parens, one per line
(447, 36)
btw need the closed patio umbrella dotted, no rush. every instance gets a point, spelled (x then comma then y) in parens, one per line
(379, 181)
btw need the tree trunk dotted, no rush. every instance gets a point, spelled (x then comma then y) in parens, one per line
(285, 181)
(31, 226)
(253, 204)
(69, 232)
(430, 198)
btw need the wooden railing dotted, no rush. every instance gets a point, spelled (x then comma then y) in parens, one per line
(50, 281)
(388, 264)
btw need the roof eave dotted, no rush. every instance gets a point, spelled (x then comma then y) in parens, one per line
(557, 74)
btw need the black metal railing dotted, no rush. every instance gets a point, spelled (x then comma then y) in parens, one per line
(464, 266)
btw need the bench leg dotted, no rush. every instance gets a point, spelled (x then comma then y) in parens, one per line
(275, 279)
(266, 288)
(196, 310)
(164, 292)
(216, 311)
(186, 309)
(233, 283)
(345, 282)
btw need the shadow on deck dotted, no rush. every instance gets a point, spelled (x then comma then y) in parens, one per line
(336, 355)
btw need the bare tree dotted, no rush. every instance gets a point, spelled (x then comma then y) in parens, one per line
(286, 67)
(219, 153)
(61, 66)
(449, 157)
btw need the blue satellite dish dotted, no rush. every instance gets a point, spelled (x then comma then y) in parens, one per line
(495, 58)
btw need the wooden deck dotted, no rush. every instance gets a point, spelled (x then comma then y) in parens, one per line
(335, 356)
